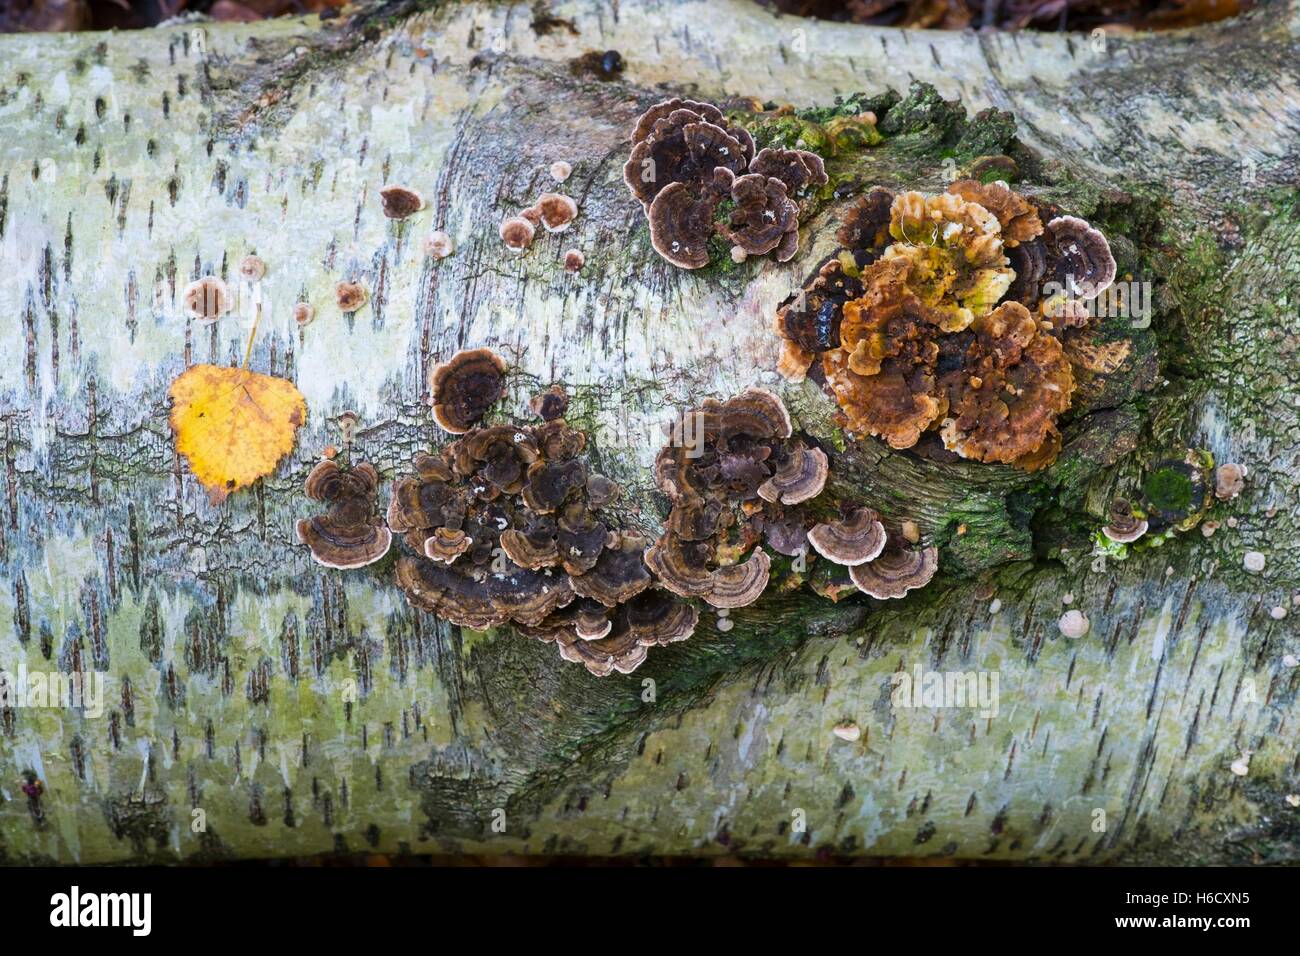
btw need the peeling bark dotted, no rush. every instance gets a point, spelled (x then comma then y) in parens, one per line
(308, 711)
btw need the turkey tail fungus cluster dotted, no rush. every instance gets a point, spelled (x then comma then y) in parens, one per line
(698, 177)
(733, 470)
(879, 564)
(505, 526)
(931, 317)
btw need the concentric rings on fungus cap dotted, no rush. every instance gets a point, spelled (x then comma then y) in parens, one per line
(850, 541)
(896, 571)
(349, 535)
(682, 141)
(800, 170)
(763, 215)
(1125, 527)
(801, 477)
(619, 573)
(1080, 257)
(464, 387)
(681, 219)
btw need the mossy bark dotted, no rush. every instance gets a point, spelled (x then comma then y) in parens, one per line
(133, 162)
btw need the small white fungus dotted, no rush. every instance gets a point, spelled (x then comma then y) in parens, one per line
(1073, 624)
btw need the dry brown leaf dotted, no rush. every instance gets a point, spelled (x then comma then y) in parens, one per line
(233, 426)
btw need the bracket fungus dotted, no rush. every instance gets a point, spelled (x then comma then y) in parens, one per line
(697, 176)
(464, 387)
(504, 526)
(350, 296)
(856, 539)
(1081, 257)
(1125, 526)
(550, 404)
(800, 477)
(921, 322)
(731, 470)
(897, 570)
(349, 534)
(517, 233)
(556, 211)
(400, 202)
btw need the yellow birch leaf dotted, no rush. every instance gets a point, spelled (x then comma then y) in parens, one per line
(232, 425)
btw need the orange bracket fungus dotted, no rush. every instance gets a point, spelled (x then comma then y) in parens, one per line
(349, 535)
(504, 525)
(466, 386)
(688, 163)
(929, 319)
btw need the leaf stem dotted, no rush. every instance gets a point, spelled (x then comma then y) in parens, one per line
(248, 352)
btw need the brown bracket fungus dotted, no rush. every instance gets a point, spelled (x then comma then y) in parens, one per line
(550, 404)
(1081, 256)
(1125, 526)
(801, 171)
(399, 202)
(517, 233)
(730, 469)
(687, 161)
(350, 296)
(681, 218)
(503, 528)
(921, 322)
(556, 211)
(446, 545)
(802, 476)
(206, 299)
(619, 574)
(764, 217)
(851, 541)
(349, 534)
(652, 618)
(896, 571)
(464, 387)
